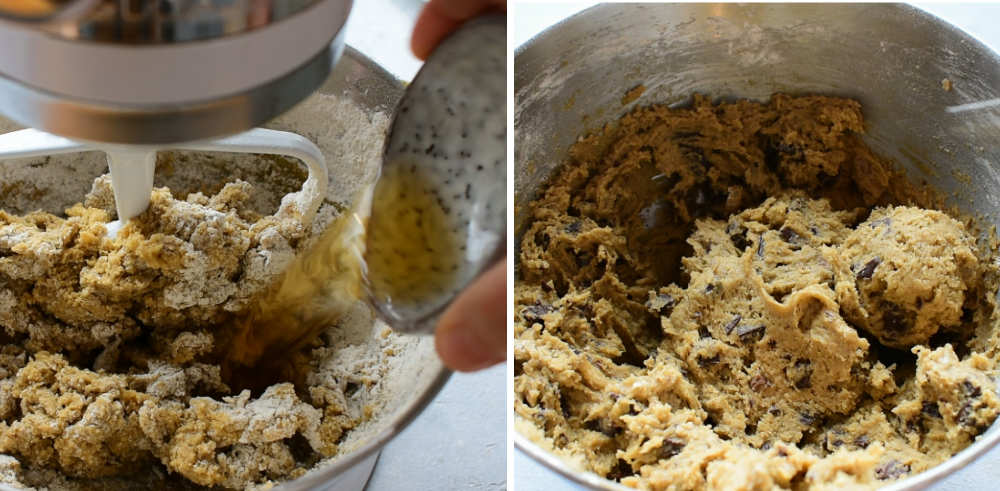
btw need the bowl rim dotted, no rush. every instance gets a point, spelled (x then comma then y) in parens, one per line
(983, 443)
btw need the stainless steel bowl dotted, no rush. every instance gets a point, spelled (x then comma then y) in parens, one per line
(415, 375)
(570, 80)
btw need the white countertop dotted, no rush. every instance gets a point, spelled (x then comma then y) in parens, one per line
(979, 20)
(459, 441)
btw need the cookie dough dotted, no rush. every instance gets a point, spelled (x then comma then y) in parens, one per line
(686, 304)
(112, 364)
(912, 270)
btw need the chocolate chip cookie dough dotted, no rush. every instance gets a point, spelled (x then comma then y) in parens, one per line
(734, 296)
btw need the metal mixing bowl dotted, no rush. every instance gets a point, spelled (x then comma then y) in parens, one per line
(416, 375)
(570, 80)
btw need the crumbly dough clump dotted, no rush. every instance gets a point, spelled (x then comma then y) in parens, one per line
(112, 347)
(694, 306)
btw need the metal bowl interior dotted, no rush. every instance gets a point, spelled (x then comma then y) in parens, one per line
(570, 79)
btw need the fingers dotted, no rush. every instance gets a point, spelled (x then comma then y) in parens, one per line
(472, 333)
(440, 17)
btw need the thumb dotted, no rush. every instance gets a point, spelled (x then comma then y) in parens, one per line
(472, 333)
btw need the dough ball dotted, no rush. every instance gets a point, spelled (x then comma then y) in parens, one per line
(905, 274)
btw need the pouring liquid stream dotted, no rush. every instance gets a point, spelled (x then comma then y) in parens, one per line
(410, 257)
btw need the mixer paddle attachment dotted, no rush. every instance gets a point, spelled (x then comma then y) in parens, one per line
(132, 166)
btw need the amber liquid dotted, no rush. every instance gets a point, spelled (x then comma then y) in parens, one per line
(413, 251)
(411, 257)
(315, 292)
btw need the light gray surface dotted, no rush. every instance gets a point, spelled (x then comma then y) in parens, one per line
(976, 19)
(459, 442)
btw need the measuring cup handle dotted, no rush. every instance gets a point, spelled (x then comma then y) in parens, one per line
(303, 203)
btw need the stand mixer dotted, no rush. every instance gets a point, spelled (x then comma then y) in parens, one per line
(133, 77)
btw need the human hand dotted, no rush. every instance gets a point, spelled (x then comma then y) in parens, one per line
(440, 17)
(472, 333)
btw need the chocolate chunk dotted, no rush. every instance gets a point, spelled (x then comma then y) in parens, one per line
(535, 312)
(894, 320)
(971, 390)
(710, 288)
(869, 268)
(807, 419)
(862, 441)
(931, 409)
(965, 416)
(891, 470)
(574, 228)
(704, 362)
(564, 406)
(748, 333)
(760, 248)
(789, 235)
(759, 382)
(737, 234)
(733, 323)
(804, 382)
(620, 470)
(671, 446)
